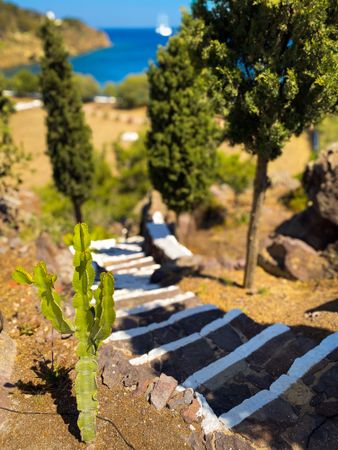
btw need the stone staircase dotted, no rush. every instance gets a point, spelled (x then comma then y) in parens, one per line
(239, 384)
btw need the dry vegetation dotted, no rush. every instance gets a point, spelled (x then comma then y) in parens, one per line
(106, 123)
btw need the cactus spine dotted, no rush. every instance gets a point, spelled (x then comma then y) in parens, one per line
(93, 321)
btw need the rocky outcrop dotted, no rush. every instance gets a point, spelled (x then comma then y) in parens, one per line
(313, 233)
(321, 184)
(318, 224)
(311, 228)
(292, 259)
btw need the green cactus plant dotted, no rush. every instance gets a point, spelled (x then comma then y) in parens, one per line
(94, 317)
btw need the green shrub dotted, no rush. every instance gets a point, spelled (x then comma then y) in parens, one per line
(295, 200)
(133, 180)
(328, 131)
(133, 92)
(87, 86)
(235, 172)
(56, 212)
(3, 82)
(24, 82)
(113, 198)
(110, 89)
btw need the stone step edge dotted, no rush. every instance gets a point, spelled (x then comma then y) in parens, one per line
(174, 345)
(131, 333)
(211, 423)
(141, 381)
(131, 264)
(198, 411)
(298, 369)
(155, 304)
(138, 271)
(122, 295)
(204, 415)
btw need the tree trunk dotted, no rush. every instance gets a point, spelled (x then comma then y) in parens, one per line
(260, 187)
(77, 211)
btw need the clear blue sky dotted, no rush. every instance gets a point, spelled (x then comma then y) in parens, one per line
(113, 13)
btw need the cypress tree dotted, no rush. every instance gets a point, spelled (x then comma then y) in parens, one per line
(68, 137)
(183, 138)
(277, 70)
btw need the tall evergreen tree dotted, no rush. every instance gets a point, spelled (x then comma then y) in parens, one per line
(68, 137)
(276, 62)
(183, 138)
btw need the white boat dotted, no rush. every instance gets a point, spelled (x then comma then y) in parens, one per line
(163, 28)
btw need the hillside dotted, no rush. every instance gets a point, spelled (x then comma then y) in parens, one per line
(19, 41)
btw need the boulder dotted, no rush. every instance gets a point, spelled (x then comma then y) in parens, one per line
(292, 259)
(318, 224)
(320, 182)
(311, 228)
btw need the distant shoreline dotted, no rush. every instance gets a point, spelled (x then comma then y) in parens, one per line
(130, 52)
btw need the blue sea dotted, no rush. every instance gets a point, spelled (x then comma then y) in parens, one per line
(131, 52)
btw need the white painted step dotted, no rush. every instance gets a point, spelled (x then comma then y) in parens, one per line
(130, 264)
(150, 306)
(127, 294)
(139, 331)
(134, 281)
(146, 270)
(240, 353)
(103, 244)
(160, 351)
(298, 369)
(103, 259)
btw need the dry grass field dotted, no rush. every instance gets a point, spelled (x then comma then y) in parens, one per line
(295, 156)
(107, 125)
